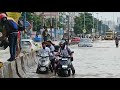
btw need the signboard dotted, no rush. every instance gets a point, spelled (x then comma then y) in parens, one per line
(14, 15)
(84, 30)
(93, 30)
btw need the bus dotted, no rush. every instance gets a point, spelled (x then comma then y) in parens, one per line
(109, 35)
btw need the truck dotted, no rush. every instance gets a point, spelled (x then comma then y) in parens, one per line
(109, 35)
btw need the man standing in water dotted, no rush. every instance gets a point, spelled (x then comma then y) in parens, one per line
(116, 41)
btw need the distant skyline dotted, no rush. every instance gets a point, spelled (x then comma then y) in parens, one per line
(108, 15)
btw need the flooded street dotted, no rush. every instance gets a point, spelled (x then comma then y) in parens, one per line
(100, 61)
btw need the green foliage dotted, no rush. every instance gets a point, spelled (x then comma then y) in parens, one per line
(79, 24)
(37, 21)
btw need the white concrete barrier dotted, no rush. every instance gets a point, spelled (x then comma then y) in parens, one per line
(5, 70)
(10, 70)
(25, 63)
(30, 59)
(20, 67)
(20, 71)
(1, 72)
(35, 58)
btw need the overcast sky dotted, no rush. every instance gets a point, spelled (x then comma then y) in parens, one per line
(107, 15)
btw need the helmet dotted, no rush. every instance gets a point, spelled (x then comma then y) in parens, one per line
(62, 42)
(2, 15)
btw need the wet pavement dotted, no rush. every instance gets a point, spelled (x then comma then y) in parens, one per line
(4, 54)
(100, 61)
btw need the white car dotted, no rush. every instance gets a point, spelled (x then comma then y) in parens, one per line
(85, 42)
(28, 45)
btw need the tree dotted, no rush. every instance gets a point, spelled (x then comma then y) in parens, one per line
(79, 23)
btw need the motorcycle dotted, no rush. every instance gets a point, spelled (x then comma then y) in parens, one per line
(63, 67)
(44, 65)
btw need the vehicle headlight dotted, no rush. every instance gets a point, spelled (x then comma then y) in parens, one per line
(64, 66)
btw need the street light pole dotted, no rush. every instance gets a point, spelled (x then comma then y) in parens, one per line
(113, 21)
(42, 14)
(84, 20)
(84, 23)
(24, 21)
(68, 27)
(93, 22)
(101, 25)
(105, 25)
(56, 26)
(51, 24)
(97, 22)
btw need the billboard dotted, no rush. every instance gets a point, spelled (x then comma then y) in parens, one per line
(14, 15)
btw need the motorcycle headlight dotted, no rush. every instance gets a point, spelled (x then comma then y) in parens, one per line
(64, 66)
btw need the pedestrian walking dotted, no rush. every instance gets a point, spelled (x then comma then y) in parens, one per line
(116, 41)
(45, 34)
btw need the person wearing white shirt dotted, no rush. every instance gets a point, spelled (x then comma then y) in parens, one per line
(44, 50)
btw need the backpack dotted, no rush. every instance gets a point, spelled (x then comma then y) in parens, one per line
(11, 24)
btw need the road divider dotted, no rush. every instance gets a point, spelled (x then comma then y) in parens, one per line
(20, 67)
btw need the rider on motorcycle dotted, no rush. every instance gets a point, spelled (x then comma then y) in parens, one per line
(52, 49)
(65, 51)
(45, 51)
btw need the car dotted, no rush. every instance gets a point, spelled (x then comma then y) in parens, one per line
(85, 42)
(28, 45)
(75, 40)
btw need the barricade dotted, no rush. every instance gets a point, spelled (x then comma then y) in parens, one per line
(20, 71)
